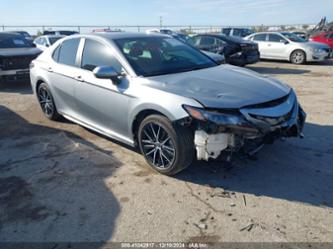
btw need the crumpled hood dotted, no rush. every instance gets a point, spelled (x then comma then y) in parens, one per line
(223, 86)
(6, 52)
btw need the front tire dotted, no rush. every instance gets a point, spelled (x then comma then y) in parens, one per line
(46, 102)
(298, 57)
(167, 148)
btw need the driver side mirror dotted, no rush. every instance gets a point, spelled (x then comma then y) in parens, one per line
(284, 42)
(107, 72)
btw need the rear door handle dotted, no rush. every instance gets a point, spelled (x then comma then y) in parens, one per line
(79, 78)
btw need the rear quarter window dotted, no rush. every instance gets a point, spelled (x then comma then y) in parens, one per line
(68, 52)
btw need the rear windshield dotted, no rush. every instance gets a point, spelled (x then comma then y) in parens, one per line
(14, 41)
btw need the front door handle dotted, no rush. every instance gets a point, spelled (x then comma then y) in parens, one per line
(49, 69)
(79, 78)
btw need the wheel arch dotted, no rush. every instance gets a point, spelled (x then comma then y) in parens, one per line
(139, 117)
(298, 49)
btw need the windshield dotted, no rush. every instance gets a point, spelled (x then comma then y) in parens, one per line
(11, 41)
(151, 56)
(54, 39)
(292, 37)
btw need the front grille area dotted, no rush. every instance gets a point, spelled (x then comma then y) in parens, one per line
(272, 103)
(17, 62)
(274, 121)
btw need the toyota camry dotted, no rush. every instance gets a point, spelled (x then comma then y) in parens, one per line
(167, 98)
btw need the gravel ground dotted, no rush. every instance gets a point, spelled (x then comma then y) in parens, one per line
(61, 182)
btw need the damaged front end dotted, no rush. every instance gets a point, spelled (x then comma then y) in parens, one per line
(220, 131)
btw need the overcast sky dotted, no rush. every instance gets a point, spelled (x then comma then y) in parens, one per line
(174, 12)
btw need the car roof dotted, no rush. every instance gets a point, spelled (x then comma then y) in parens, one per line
(122, 35)
(10, 34)
(53, 36)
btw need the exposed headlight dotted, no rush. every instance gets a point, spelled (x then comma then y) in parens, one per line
(216, 117)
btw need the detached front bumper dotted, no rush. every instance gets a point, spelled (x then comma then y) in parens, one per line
(259, 124)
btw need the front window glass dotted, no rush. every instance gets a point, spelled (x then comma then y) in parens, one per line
(292, 37)
(150, 56)
(275, 38)
(96, 54)
(207, 41)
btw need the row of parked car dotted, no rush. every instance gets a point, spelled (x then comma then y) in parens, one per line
(240, 51)
(236, 46)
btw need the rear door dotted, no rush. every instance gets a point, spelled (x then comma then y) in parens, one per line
(62, 75)
(277, 47)
(260, 39)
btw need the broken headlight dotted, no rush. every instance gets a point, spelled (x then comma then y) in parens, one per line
(220, 118)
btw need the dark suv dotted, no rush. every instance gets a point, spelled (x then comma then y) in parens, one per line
(236, 51)
(16, 53)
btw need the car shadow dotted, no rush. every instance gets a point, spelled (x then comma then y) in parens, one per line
(19, 86)
(277, 70)
(295, 170)
(53, 185)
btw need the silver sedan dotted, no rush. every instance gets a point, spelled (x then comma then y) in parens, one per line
(290, 47)
(164, 96)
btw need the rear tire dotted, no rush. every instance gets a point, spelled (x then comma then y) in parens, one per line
(298, 57)
(167, 148)
(46, 102)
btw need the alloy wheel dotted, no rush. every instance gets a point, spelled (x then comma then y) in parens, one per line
(157, 146)
(45, 101)
(298, 57)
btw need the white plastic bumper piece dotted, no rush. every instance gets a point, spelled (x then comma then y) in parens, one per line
(211, 146)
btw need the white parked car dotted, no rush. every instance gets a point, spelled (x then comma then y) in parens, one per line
(45, 41)
(290, 47)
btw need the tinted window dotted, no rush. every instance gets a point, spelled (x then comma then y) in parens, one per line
(237, 32)
(96, 54)
(226, 31)
(196, 40)
(330, 36)
(260, 37)
(151, 56)
(68, 52)
(275, 38)
(293, 37)
(207, 40)
(55, 55)
(220, 42)
(13, 41)
(54, 39)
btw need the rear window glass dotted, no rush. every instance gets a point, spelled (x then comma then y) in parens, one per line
(260, 37)
(68, 52)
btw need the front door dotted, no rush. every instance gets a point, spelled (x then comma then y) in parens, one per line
(102, 103)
